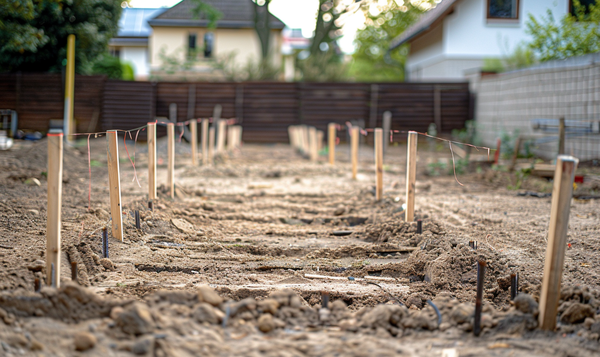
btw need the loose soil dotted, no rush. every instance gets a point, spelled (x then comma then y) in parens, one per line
(222, 268)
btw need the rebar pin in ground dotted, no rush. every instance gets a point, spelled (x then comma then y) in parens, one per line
(74, 271)
(104, 242)
(137, 219)
(419, 226)
(324, 299)
(52, 275)
(36, 285)
(150, 205)
(513, 286)
(479, 299)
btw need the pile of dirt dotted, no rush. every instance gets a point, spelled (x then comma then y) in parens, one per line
(403, 233)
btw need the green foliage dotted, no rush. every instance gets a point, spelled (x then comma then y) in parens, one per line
(442, 167)
(493, 65)
(174, 63)
(521, 175)
(372, 60)
(261, 70)
(323, 67)
(109, 66)
(576, 35)
(521, 57)
(128, 72)
(33, 33)
(468, 134)
(204, 11)
(507, 143)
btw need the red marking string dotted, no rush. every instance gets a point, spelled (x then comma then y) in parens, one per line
(132, 164)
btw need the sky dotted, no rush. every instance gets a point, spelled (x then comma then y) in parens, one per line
(294, 13)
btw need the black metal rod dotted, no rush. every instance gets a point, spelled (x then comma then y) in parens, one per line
(150, 205)
(479, 299)
(137, 219)
(324, 299)
(74, 271)
(36, 285)
(419, 226)
(513, 286)
(471, 244)
(104, 242)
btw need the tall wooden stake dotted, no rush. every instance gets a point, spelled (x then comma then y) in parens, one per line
(222, 130)
(151, 161)
(562, 193)
(53, 224)
(171, 159)
(204, 142)
(354, 138)
(211, 144)
(320, 135)
(379, 163)
(561, 136)
(387, 126)
(331, 135)
(411, 175)
(312, 139)
(305, 141)
(114, 184)
(194, 141)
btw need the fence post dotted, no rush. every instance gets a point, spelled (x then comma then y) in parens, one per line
(114, 183)
(379, 163)
(171, 159)
(562, 193)
(151, 161)
(331, 141)
(437, 107)
(53, 224)
(354, 137)
(204, 142)
(194, 140)
(411, 175)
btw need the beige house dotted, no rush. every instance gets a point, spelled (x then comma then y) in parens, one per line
(177, 36)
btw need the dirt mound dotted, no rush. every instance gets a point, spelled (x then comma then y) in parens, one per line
(403, 233)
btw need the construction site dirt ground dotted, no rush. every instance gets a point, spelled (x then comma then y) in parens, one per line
(254, 224)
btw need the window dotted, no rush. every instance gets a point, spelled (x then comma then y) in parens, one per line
(192, 40)
(115, 52)
(209, 39)
(503, 9)
(584, 3)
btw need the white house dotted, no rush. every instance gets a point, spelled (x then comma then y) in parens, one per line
(453, 39)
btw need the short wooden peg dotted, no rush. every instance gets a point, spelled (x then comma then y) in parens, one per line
(354, 138)
(151, 161)
(331, 136)
(411, 176)
(204, 142)
(194, 140)
(171, 159)
(379, 163)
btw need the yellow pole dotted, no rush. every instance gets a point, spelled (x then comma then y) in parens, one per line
(69, 88)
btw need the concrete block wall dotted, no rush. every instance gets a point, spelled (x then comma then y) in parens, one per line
(571, 89)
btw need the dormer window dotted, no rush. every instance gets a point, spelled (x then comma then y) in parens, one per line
(502, 10)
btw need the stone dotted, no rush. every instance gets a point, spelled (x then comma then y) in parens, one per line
(142, 346)
(268, 305)
(107, 264)
(33, 182)
(135, 319)
(206, 313)
(208, 295)
(349, 325)
(266, 323)
(420, 319)
(526, 304)
(283, 297)
(34, 212)
(462, 313)
(415, 301)
(37, 265)
(102, 214)
(338, 305)
(382, 315)
(183, 226)
(84, 341)
(595, 327)
(577, 313)
(340, 210)
(17, 340)
(246, 305)
(115, 312)
(35, 345)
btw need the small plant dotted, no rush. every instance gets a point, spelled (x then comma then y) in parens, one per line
(521, 175)
(436, 168)
(460, 166)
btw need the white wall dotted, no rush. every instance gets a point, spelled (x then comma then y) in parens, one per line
(467, 31)
(138, 57)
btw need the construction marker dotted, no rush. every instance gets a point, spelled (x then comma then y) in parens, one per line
(104, 242)
(36, 285)
(419, 226)
(74, 271)
(137, 219)
(479, 299)
(52, 275)
(514, 286)
(324, 299)
(150, 205)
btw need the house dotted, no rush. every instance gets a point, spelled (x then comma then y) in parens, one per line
(131, 42)
(176, 35)
(453, 40)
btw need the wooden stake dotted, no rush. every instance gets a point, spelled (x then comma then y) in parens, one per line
(411, 175)
(204, 142)
(222, 130)
(562, 193)
(230, 138)
(331, 135)
(312, 139)
(354, 138)
(53, 224)
(305, 141)
(379, 163)
(211, 145)
(171, 159)
(151, 161)
(114, 184)
(320, 136)
(515, 154)
(561, 136)
(194, 141)
(387, 126)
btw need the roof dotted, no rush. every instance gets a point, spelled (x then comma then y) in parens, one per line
(425, 22)
(134, 22)
(236, 14)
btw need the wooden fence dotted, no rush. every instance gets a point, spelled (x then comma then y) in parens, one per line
(264, 109)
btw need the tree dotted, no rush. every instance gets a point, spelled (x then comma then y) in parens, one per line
(262, 25)
(576, 35)
(372, 59)
(207, 12)
(33, 33)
